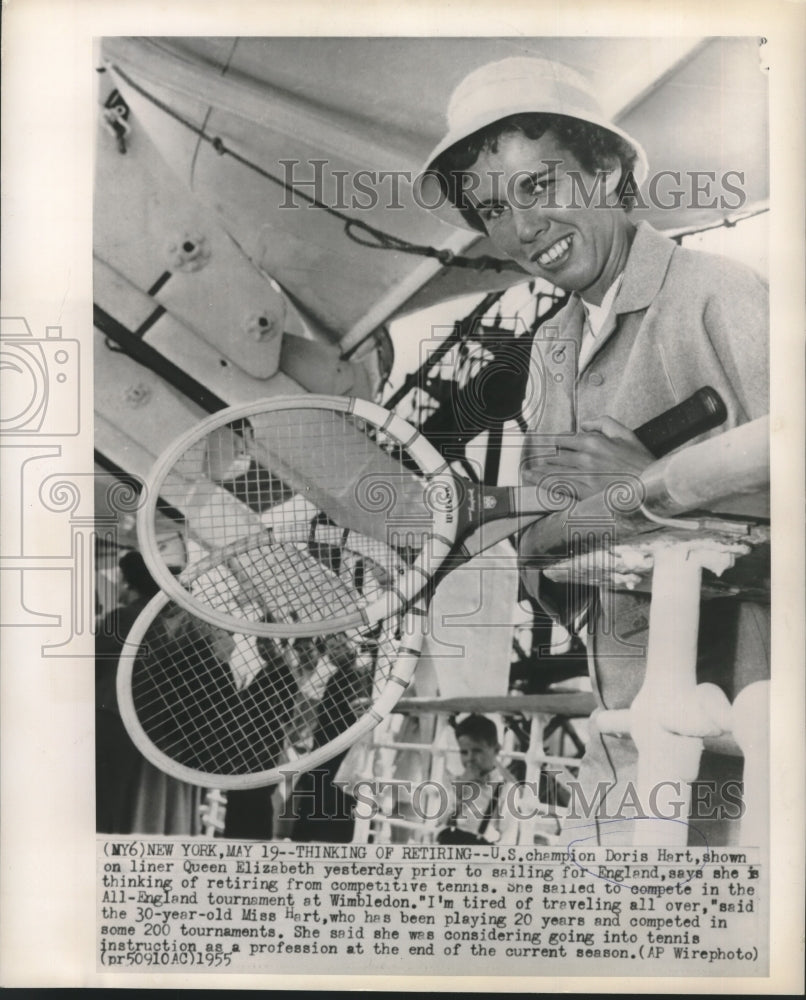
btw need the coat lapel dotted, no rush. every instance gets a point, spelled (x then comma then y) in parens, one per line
(649, 259)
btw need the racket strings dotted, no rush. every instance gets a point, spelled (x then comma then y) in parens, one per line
(189, 705)
(226, 704)
(294, 583)
(326, 510)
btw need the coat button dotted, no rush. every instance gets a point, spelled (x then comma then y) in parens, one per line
(594, 378)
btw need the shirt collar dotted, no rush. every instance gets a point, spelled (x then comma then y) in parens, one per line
(495, 776)
(491, 777)
(597, 315)
(643, 275)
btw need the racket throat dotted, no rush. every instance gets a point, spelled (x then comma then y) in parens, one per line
(489, 514)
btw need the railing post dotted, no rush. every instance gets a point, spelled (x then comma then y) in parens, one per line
(671, 714)
(750, 724)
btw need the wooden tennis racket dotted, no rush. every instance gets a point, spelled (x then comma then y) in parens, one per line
(228, 710)
(320, 527)
(316, 514)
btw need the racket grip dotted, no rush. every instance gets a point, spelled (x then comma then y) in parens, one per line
(701, 412)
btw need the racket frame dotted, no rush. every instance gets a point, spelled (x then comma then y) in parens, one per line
(406, 659)
(438, 480)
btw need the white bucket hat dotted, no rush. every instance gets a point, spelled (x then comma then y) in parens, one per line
(509, 87)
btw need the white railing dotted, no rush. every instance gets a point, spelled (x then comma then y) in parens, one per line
(396, 821)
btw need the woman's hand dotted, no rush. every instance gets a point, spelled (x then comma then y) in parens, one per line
(603, 451)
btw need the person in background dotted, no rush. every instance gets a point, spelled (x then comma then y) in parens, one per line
(530, 160)
(324, 811)
(131, 796)
(268, 709)
(480, 807)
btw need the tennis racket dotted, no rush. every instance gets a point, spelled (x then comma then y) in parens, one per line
(229, 710)
(234, 708)
(316, 514)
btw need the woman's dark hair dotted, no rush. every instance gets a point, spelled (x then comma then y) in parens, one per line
(594, 148)
(478, 728)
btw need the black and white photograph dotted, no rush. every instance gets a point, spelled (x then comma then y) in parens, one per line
(423, 497)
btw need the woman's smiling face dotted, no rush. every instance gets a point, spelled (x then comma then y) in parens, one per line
(542, 209)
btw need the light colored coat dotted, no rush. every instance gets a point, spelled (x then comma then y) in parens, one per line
(682, 319)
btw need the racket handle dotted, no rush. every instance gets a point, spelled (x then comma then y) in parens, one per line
(496, 506)
(701, 412)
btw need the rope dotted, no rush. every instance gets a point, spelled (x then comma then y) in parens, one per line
(378, 239)
(726, 222)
